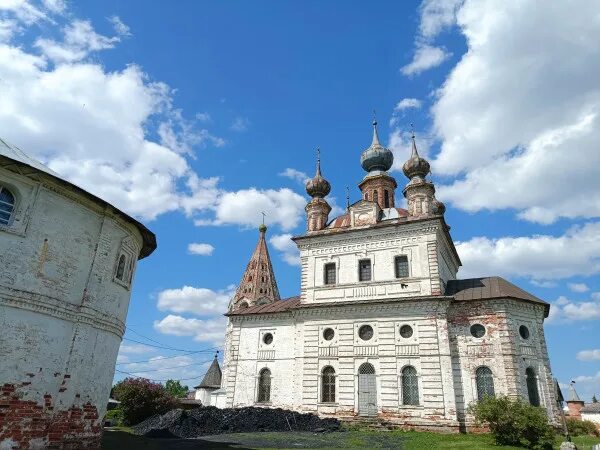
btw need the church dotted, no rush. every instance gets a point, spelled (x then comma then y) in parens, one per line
(382, 329)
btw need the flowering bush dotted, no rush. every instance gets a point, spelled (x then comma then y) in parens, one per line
(140, 398)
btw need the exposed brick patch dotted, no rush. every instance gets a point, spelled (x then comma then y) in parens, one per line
(24, 421)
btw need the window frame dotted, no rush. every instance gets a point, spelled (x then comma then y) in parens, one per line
(386, 198)
(414, 394)
(13, 206)
(266, 373)
(326, 280)
(480, 385)
(396, 272)
(360, 261)
(533, 389)
(328, 385)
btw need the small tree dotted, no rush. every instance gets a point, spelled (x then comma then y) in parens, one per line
(514, 422)
(175, 388)
(578, 427)
(594, 399)
(140, 399)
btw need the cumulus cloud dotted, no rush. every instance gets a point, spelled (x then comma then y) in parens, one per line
(578, 287)
(135, 348)
(538, 257)
(564, 310)
(209, 330)
(197, 248)
(519, 120)
(287, 247)
(283, 207)
(195, 300)
(120, 28)
(295, 175)
(589, 355)
(407, 103)
(425, 57)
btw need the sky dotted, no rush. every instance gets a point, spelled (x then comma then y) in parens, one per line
(196, 116)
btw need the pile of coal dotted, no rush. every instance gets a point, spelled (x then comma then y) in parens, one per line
(207, 420)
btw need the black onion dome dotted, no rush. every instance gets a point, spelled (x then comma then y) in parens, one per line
(415, 166)
(376, 157)
(318, 186)
(438, 207)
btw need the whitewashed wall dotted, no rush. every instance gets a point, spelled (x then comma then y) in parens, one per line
(61, 311)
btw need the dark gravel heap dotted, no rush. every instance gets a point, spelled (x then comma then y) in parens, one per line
(207, 420)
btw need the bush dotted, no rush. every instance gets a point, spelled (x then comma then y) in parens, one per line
(514, 422)
(582, 427)
(115, 416)
(140, 399)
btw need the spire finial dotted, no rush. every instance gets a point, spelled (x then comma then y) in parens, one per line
(216, 354)
(375, 135)
(414, 153)
(262, 228)
(347, 198)
(318, 161)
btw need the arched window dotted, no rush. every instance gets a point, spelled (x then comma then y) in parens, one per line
(375, 196)
(532, 387)
(410, 386)
(243, 305)
(366, 196)
(264, 386)
(485, 382)
(386, 199)
(328, 385)
(121, 268)
(7, 204)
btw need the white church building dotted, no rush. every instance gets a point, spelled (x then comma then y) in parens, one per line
(381, 327)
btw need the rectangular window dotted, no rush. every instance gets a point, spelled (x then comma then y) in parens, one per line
(401, 266)
(330, 273)
(364, 270)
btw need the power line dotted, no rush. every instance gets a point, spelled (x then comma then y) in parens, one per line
(160, 358)
(174, 367)
(170, 348)
(160, 380)
(145, 337)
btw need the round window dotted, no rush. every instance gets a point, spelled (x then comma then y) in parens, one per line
(365, 332)
(328, 334)
(477, 330)
(524, 332)
(268, 338)
(406, 331)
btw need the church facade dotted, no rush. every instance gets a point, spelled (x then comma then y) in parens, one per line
(382, 328)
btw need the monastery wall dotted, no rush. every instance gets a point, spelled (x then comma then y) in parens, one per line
(62, 312)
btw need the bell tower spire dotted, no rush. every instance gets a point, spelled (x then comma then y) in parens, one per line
(317, 209)
(258, 285)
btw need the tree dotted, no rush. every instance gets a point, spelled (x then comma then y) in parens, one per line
(594, 399)
(514, 422)
(175, 388)
(140, 398)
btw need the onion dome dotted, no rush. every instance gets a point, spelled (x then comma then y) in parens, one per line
(438, 207)
(415, 166)
(318, 186)
(376, 157)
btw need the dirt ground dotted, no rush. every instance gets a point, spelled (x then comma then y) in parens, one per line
(120, 440)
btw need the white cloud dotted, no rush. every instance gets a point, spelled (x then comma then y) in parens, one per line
(80, 39)
(407, 103)
(197, 248)
(295, 175)
(195, 300)
(539, 257)
(240, 124)
(120, 28)
(566, 310)
(544, 283)
(135, 348)
(578, 287)
(289, 250)
(519, 122)
(211, 330)
(589, 355)
(283, 207)
(203, 117)
(425, 57)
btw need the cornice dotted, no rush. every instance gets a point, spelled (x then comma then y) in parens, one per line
(61, 309)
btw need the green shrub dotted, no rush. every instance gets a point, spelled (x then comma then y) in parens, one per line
(140, 399)
(514, 422)
(115, 416)
(582, 427)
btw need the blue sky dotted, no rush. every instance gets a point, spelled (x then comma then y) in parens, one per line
(197, 116)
